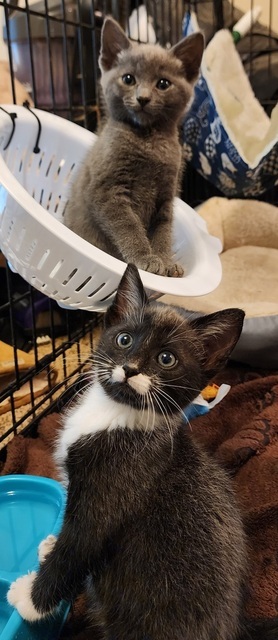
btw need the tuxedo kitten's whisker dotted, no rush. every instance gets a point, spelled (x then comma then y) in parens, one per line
(148, 429)
(77, 394)
(101, 353)
(160, 405)
(151, 411)
(180, 377)
(186, 419)
(100, 357)
(180, 386)
(100, 362)
(103, 377)
(167, 397)
(169, 408)
(57, 385)
(107, 367)
(175, 405)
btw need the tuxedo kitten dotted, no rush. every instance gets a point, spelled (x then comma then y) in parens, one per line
(151, 523)
(122, 198)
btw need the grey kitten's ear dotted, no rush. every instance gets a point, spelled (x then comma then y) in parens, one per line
(190, 51)
(113, 40)
(219, 333)
(130, 300)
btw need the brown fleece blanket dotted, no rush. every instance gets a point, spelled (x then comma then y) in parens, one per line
(242, 433)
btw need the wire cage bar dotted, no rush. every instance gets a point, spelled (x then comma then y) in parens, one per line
(49, 348)
(52, 49)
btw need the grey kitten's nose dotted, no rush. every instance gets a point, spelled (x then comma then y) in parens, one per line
(143, 100)
(130, 371)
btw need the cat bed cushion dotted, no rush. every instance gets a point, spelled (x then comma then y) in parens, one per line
(227, 135)
(261, 58)
(248, 230)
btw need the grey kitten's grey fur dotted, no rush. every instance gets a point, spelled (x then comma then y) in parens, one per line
(122, 199)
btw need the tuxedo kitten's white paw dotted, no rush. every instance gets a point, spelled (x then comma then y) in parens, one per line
(46, 546)
(19, 596)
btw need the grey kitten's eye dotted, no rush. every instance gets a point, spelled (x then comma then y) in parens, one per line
(163, 84)
(167, 359)
(128, 79)
(124, 340)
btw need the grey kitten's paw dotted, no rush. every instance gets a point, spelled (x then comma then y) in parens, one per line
(175, 271)
(154, 264)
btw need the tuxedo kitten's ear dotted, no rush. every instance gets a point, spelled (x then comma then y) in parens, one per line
(113, 40)
(219, 333)
(190, 51)
(130, 299)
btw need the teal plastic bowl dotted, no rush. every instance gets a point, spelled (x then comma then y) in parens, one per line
(31, 507)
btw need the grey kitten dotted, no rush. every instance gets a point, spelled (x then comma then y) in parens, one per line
(122, 199)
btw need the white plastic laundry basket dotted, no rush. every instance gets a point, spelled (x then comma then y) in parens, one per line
(37, 165)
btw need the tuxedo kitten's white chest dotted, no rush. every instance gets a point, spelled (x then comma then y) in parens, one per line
(96, 412)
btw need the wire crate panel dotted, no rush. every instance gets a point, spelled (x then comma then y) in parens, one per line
(36, 171)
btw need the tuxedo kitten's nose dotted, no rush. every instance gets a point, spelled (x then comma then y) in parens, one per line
(130, 371)
(143, 100)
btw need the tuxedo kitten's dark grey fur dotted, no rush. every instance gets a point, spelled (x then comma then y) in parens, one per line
(122, 199)
(151, 519)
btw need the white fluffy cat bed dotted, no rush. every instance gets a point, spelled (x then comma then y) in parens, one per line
(227, 135)
(39, 156)
(248, 230)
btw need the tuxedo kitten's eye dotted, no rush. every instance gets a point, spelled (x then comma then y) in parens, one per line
(124, 340)
(163, 84)
(167, 359)
(127, 78)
